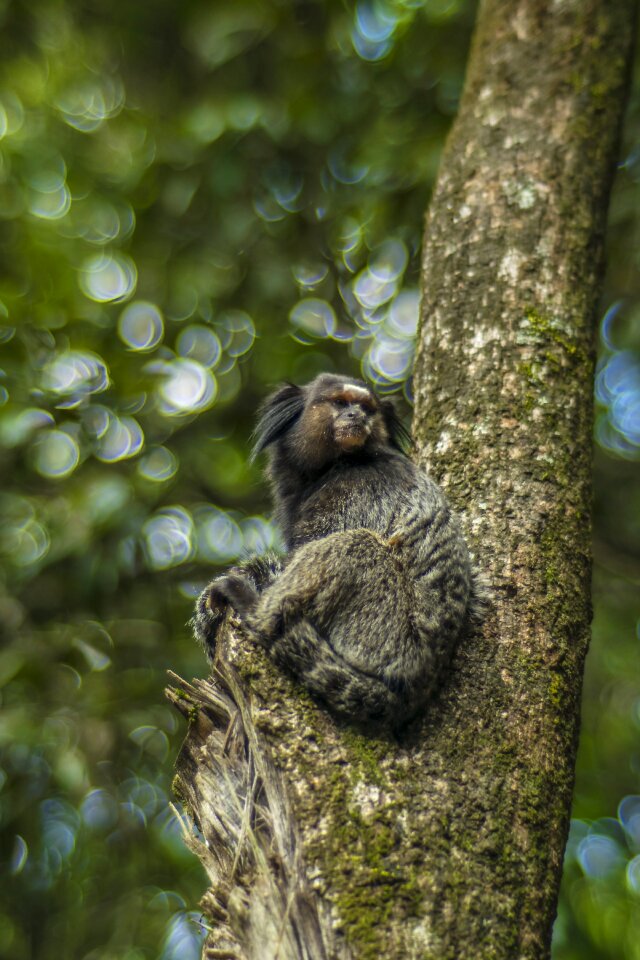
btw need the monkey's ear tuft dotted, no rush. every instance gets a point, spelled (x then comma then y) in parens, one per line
(277, 414)
(399, 436)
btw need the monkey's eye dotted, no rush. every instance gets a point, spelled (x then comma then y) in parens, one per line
(340, 402)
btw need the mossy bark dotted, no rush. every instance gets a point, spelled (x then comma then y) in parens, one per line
(325, 841)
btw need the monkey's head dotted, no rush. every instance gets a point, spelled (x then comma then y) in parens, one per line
(331, 418)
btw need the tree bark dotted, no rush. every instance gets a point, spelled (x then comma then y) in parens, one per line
(324, 842)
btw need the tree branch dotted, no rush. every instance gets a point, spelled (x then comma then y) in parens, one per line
(323, 841)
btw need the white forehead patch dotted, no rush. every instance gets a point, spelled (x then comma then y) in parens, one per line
(354, 388)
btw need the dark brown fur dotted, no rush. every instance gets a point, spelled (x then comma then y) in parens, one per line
(377, 584)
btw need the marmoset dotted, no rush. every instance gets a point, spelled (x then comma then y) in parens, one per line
(377, 583)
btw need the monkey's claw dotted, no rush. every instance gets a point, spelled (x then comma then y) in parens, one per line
(236, 591)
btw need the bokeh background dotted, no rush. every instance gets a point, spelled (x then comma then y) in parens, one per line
(197, 200)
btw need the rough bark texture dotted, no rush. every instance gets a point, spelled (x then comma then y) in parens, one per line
(323, 841)
(512, 267)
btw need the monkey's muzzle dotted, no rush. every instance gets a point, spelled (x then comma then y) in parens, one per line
(351, 431)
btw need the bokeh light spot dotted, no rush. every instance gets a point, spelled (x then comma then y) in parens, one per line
(199, 343)
(159, 464)
(243, 112)
(75, 374)
(373, 29)
(107, 277)
(633, 875)
(186, 387)
(205, 123)
(14, 430)
(629, 816)
(59, 829)
(371, 291)
(344, 170)
(99, 810)
(52, 204)
(238, 332)
(404, 313)
(388, 360)
(56, 454)
(219, 536)
(168, 538)
(258, 535)
(599, 855)
(96, 420)
(312, 317)
(152, 740)
(617, 388)
(12, 114)
(122, 439)
(86, 106)
(184, 938)
(310, 275)
(98, 221)
(140, 325)
(31, 543)
(23, 537)
(388, 262)
(19, 855)
(96, 659)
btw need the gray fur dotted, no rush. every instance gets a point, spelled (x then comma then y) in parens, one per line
(377, 586)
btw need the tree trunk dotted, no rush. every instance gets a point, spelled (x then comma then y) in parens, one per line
(322, 842)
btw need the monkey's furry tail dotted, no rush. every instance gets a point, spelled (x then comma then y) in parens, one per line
(347, 690)
(480, 599)
(351, 692)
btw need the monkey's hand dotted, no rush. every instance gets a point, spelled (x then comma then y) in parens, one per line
(239, 589)
(211, 609)
(234, 590)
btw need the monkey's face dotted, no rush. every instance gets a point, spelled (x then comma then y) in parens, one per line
(340, 417)
(350, 414)
(306, 428)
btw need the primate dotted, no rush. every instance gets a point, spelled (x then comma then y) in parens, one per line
(377, 583)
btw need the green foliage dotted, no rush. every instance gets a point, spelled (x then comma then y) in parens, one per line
(197, 201)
